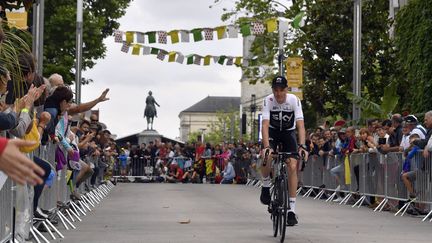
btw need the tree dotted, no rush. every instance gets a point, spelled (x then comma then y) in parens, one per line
(325, 43)
(100, 20)
(413, 43)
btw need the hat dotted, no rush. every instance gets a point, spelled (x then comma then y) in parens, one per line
(339, 123)
(279, 81)
(411, 119)
(343, 130)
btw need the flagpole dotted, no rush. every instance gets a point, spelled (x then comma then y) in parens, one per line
(79, 40)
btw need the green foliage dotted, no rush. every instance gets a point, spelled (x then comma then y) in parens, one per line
(413, 42)
(220, 130)
(100, 20)
(325, 43)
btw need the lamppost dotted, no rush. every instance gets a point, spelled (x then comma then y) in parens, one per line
(357, 59)
(253, 108)
(79, 44)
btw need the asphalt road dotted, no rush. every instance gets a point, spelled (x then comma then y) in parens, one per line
(231, 213)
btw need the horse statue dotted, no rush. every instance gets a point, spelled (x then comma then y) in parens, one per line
(150, 110)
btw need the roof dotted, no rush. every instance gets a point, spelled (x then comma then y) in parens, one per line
(213, 104)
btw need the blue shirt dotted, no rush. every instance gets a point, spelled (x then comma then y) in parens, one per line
(228, 172)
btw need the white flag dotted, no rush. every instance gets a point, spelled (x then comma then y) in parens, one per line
(232, 31)
(140, 37)
(146, 50)
(283, 25)
(180, 58)
(215, 59)
(184, 36)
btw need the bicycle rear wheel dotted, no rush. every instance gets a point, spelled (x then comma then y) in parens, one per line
(283, 211)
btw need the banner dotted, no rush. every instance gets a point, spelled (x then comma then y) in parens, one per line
(294, 75)
(17, 19)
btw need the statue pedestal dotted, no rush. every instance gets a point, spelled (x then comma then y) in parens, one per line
(148, 136)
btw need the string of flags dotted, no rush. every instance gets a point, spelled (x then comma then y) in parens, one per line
(207, 33)
(135, 39)
(174, 56)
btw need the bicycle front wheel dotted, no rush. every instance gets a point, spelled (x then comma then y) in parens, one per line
(283, 207)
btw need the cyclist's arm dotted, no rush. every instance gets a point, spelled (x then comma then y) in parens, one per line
(301, 131)
(265, 133)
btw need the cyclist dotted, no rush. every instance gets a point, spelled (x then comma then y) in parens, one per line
(282, 114)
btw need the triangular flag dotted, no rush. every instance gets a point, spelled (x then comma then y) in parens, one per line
(129, 37)
(180, 58)
(197, 60)
(208, 34)
(184, 35)
(237, 61)
(171, 56)
(245, 29)
(197, 34)
(221, 60)
(151, 36)
(207, 60)
(189, 59)
(118, 36)
(258, 28)
(136, 49)
(161, 55)
(271, 25)
(215, 59)
(125, 47)
(283, 26)
(221, 32)
(232, 31)
(140, 37)
(146, 50)
(229, 61)
(174, 36)
(154, 51)
(162, 37)
(298, 20)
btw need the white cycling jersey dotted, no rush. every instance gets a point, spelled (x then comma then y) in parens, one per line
(283, 116)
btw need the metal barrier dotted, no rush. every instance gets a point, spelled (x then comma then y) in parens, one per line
(6, 208)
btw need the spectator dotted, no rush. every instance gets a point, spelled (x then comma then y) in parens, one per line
(421, 143)
(228, 174)
(415, 128)
(409, 175)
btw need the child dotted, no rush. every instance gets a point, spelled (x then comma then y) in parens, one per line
(408, 175)
(123, 162)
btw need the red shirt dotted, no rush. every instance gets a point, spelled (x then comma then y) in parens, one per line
(3, 143)
(180, 174)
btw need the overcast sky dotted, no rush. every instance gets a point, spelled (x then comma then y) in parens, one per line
(175, 86)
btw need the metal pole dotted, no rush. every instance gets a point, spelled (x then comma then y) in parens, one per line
(38, 33)
(357, 58)
(280, 55)
(79, 30)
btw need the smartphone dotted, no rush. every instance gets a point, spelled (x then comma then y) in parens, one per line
(382, 141)
(74, 123)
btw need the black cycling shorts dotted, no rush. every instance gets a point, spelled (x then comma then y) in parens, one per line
(286, 140)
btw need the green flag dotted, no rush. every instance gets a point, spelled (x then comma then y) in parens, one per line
(189, 59)
(245, 29)
(152, 37)
(154, 51)
(221, 60)
(197, 34)
(298, 21)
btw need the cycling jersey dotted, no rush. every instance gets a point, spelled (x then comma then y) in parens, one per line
(283, 116)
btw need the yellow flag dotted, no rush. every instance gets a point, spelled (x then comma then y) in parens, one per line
(171, 56)
(174, 36)
(221, 32)
(271, 25)
(347, 170)
(207, 60)
(136, 49)
(238, 61)
(129, 37)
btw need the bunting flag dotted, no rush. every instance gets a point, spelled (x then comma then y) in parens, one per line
(129, 37)
(174, 36)
(189, 59)
(197, 35)
(347, 170)
(258, 28)
(221, 32)
(151, 36)
(298, 20)
(125, 47)
(184, 36)
(208, 34)
(174, 56)
(118, 36)
(136, 49)
(171, 56)
(162, 37)
(271, 25)
(140, 37)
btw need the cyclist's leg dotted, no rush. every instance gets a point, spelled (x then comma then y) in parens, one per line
(265, 172)
(289, 144)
